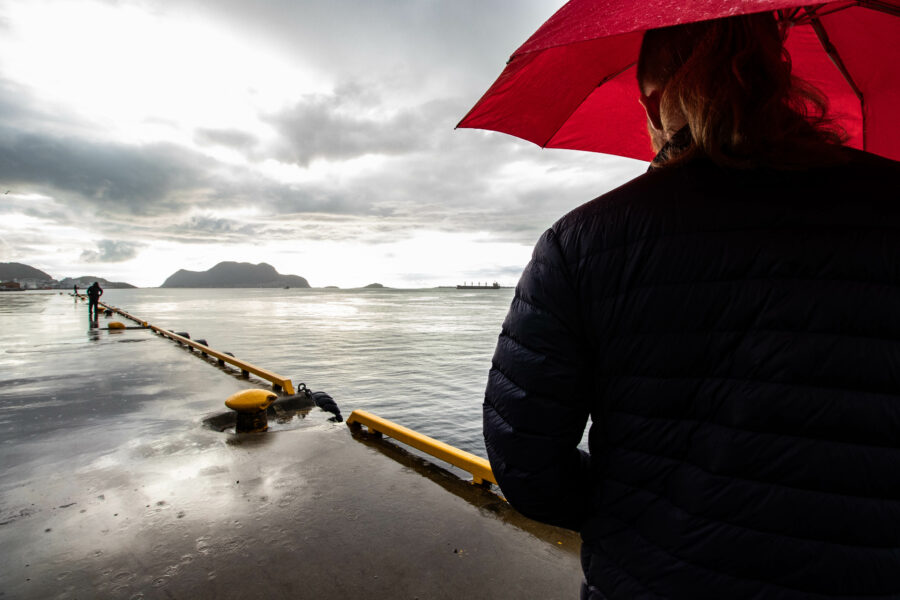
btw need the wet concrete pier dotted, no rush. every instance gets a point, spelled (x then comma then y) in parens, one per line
(111, 487)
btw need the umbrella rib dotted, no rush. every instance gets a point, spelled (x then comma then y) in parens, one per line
(836, 59)
(804, 14)
(832, 53)
(601, 82)
(879, 5)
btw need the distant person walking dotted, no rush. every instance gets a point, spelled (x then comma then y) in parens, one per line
(94, 292)
(75, 287)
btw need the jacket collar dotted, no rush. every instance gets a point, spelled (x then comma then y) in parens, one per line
(679, 141)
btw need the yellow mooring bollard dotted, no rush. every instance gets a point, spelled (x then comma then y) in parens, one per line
(250, 406)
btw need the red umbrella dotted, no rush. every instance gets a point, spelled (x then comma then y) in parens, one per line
(573, 84)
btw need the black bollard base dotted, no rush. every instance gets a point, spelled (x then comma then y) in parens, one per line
(252, 422)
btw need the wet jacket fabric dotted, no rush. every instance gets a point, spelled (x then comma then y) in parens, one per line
(734, 339)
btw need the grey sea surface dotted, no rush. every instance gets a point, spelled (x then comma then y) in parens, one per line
(417, 357)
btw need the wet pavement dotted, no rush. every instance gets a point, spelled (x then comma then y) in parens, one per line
(111, 487)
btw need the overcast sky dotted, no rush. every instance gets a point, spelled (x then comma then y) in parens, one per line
(140, 137)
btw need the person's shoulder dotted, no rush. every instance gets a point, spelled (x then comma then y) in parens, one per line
(699, 193)
(855, 174)
(647, 192)
(862, 156)
(859, 159)
(699, 181)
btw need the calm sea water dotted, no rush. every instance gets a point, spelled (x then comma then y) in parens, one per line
(418, 357)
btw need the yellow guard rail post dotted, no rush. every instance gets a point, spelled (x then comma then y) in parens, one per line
(479, 467)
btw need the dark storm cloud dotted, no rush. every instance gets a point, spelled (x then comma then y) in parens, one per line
(216, 226)
(12, 204)
(465, 184)
(242, 187)
(230, 138)
(13, 102)
(462, 43)
(137, 179)
(299, 200)
(111, 251)
(207, 229)
(342, 126)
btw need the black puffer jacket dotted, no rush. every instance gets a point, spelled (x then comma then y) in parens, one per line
(735, 339)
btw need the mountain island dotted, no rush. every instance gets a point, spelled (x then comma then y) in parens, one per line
(28, 277)
(231, 274)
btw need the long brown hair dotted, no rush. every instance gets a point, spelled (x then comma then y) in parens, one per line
(731, 80)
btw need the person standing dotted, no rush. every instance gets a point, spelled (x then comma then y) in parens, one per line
(728, 323)
(94, 292)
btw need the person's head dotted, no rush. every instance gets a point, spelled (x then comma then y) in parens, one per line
(729, 81)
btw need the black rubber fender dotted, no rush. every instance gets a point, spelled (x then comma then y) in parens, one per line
(327, 403)
(295, 402)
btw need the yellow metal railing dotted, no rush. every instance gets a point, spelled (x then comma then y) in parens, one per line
(245, 367)
(140, 322)
(479, 467)
(278, 382)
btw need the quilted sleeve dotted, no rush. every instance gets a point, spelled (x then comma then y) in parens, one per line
(535, 407)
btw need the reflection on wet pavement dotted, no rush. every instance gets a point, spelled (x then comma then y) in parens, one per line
(101, 440)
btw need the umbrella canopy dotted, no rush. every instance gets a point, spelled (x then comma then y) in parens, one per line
(573, 83)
